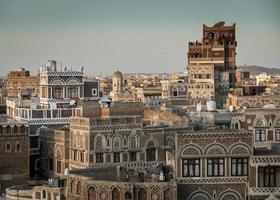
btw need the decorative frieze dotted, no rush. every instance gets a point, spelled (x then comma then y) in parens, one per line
(213, 180)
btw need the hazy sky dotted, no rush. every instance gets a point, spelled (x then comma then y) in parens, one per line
(133, 36)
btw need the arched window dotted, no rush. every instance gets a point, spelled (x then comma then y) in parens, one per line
(79, 187)
(72, 186)
(133, 142)
(22, 129)
(18, 148)
(128, 196)
(91, 193)
(151, 151)
(8, 129)
(117, 143)
(116, 194)
(44, 194)
(15, 129)
(142, 194)
(98, 142)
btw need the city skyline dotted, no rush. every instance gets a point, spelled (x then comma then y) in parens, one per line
(130, 36)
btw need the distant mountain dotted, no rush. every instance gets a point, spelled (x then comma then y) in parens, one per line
(254, 69)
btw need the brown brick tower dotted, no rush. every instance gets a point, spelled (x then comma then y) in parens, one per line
(216, 51)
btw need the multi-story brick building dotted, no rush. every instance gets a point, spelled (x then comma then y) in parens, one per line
(264, 124)
(20, 81)
(14, 152)
(60, 91)
(213, 164)
(174, 92)
(211, 64)
(112, 183)
(54, 151)
(256, 101)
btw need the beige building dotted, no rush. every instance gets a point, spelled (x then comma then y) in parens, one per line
(201, 84)
(20, 81)
(257, 101)
(54, 151)
(118, 93)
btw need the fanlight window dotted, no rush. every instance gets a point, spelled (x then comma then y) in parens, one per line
(72, 82)
(191, 151)
(200, 195)
(151, 144)
(57, 82)
(239, 151)
(229, 196)
(215, 150)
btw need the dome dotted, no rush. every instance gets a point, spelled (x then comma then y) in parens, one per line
(117, 74)
(270, 106)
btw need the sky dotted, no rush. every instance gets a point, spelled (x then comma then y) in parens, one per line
(130, 35)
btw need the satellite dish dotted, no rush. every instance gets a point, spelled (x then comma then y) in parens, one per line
(72, 102)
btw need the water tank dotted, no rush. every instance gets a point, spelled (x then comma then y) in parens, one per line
(211, 106)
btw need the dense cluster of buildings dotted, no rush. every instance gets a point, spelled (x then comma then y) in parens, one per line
(207, 134)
